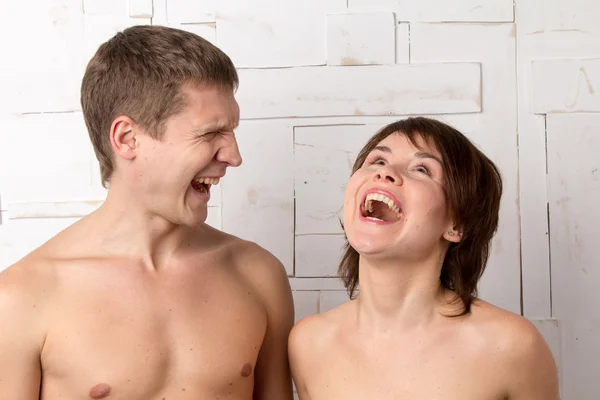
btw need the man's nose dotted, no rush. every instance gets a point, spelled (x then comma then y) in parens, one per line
(230, 154)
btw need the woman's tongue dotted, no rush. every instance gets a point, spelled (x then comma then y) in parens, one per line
(200, 187)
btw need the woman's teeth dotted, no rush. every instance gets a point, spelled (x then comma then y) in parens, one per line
(208, 181)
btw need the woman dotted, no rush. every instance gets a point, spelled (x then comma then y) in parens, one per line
(420, 211)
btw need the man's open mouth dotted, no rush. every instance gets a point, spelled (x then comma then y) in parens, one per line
(379, 207)
(202, 185)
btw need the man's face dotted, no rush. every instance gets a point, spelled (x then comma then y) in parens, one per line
(175, 174)
(394, 203)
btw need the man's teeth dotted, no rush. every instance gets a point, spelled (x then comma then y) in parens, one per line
(384, 199)
(208, 181)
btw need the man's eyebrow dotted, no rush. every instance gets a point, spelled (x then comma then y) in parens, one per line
(423, 154)
(215, 127)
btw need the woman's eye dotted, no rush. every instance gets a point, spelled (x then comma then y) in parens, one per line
(424, 169)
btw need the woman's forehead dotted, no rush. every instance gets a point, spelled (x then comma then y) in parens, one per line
(401, 143)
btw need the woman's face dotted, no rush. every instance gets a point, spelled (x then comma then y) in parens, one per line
(395, 204)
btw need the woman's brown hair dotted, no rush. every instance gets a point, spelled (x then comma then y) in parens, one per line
(473, 188)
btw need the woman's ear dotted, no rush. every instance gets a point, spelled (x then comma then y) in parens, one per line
(453, 234)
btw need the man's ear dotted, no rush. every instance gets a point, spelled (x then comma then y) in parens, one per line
(123, 137)
(453, 234)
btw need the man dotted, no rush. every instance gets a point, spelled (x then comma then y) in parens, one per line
(141, 299)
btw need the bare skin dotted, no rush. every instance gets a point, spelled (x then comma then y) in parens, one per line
(128, 304)
(398, 339)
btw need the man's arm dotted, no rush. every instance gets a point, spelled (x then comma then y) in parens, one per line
(21, 338)
(272, 373)
(534, 375)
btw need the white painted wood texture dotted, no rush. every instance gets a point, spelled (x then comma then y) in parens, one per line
(434, 88)
(258, 198)
(440, 10)
(361, 39)
(573, 193)
(566, 86)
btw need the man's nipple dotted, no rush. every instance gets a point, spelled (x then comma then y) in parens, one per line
(99, 391)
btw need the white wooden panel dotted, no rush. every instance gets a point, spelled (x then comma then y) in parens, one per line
(331, 299)
(318, 255)
(362, 90)
(56, 209)
(191, 11)
(44, 157)
(361, 39)
(18, 237)
(159, 12)
(305, 303)
(100, 28)
(495, 132)
(402, 43)
(373, 5)
(323, 163)
(258, 197)
(557, 16)
(140, 8)
(271, 33)
(440, 10)
(42, 54)
(106, 7)
(214, 217)
(561, 86)
(316, 284)
(456, 11)
(573, 195)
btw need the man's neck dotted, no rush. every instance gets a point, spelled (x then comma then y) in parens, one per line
(399, 295)
(127, 229)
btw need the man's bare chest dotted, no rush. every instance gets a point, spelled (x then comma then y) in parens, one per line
(154, 342)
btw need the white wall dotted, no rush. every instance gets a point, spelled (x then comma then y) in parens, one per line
(520, 81)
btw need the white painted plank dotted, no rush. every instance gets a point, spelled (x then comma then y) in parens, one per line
(363, 90)
(18, 237)
(373, 5)
(318, 255)
(331, 299)
(402, 43)
(45, 48)
(323, 163)
(46, 157)
(440, 10)
(456, 11)
(361, 39)
(159, 12)
(494, 131)
(117, 8)
(566, 86)
(140, 8)
(258, 198)
(100, 28)
(56, 209)
(316, 284)
(191, 11)
(306, 303)
(214, 217)
(573, 195)
(290, 33)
